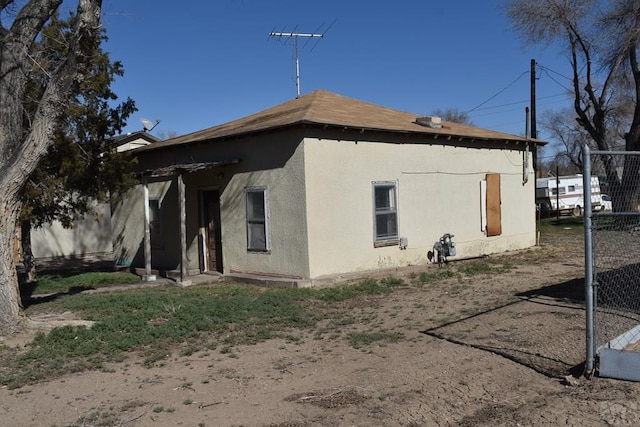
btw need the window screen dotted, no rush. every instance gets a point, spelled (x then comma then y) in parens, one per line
(385, 211)
(257, 220)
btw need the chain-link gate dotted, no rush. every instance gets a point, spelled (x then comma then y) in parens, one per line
(612, 263)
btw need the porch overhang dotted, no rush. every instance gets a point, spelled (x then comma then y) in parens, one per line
(176, 170)
(182, 168)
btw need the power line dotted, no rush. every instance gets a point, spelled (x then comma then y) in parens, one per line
(498, 93)
(547, 71)
(493, 107)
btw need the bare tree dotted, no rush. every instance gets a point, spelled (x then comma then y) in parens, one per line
(452, 115)
(23, 146)
(167, 135)
(567, 138)
(601, 39)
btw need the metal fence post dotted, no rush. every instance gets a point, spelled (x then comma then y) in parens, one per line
(588, 262)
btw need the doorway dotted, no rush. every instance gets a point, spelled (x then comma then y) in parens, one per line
(212, 236)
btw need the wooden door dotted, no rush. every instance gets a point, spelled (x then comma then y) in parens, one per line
(211, 225)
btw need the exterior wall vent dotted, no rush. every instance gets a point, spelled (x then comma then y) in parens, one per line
(430, 122)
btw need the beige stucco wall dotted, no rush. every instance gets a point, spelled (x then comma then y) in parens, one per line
(438, 192)
(320, 203)
(89, 236)
(276, 163)
(128, 226)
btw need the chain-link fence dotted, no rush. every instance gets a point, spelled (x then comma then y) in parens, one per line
(612, 253)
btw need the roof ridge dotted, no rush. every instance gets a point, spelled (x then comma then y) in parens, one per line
(322, 107)
(314, 103)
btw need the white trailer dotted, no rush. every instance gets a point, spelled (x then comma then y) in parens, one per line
(566, 194)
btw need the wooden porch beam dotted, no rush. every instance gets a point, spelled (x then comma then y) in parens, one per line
(148, 276)
(184, 270)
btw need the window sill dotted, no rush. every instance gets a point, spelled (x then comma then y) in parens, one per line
(381, 244)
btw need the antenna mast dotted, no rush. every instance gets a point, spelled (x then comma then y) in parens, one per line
(295, 37)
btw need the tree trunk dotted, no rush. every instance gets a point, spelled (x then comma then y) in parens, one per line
(28, 259)
(21, 149)
(10, 306)
(630, 184)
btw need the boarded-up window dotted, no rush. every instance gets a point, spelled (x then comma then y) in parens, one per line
(494, 212)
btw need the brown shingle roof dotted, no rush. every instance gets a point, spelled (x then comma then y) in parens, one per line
(327, 108)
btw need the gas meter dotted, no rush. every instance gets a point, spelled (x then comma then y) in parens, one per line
(445, 248)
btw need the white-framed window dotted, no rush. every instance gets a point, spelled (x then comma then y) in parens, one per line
(385, 212)
(155, 224)
(257, 219)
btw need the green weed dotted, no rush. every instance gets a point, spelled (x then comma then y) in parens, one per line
(441, 274)
(361, 339)
(391, 281)
(483, 267)
(154, 323)
(49, 283)
(346, 292)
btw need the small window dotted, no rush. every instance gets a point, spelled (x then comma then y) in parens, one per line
(554, 191)
(155, 224)
(257, 230)
(385, 212)
(572, 189)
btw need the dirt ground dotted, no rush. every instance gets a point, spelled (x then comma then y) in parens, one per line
(494, 350)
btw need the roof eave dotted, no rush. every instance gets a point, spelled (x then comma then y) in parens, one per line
(434, 134)
(362, 129)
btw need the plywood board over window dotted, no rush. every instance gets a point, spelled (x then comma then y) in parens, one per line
(494, 211)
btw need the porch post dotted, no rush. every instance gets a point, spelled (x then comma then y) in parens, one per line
(184, 270)
(148, 277)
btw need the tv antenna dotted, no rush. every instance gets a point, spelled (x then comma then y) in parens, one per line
(295, 36)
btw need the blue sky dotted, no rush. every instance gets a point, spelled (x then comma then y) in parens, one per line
(205, 62)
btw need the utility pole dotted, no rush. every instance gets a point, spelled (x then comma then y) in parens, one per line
(295, 37)
(533, 134)
(534, 131)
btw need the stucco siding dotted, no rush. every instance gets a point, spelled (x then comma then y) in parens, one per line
(287, 253)
(438, 191)
(128, 226)
(320, 202)
(273, 161)
(89, 236)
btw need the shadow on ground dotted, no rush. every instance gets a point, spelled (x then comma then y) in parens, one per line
(543, 329)
(64, 267)
(571, 290)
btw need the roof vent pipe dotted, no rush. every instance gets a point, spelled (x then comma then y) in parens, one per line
(434, 122)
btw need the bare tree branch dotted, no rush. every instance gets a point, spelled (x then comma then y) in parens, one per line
(602, 38)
